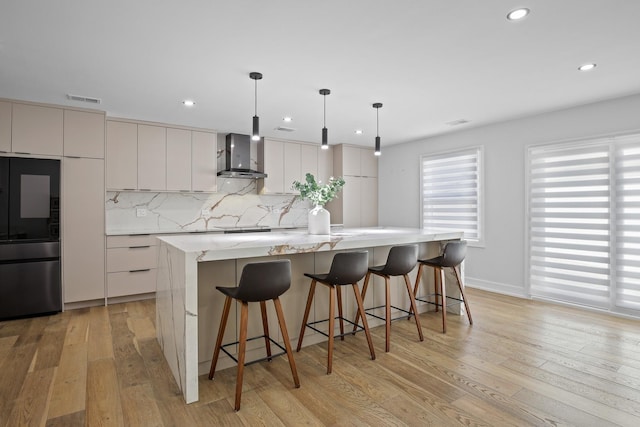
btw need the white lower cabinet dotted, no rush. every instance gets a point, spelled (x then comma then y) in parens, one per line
(131, 265)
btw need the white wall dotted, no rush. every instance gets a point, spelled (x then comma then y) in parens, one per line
(500, 264)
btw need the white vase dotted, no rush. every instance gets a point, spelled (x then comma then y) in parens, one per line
(319, 220)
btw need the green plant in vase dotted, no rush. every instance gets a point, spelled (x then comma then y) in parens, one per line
(319, 194)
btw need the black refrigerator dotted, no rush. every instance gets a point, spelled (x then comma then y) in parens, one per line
(30, 279)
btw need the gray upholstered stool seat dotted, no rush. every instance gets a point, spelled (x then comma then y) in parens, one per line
(452, 256)
(400, 261)
(259, 282)
(346, 269)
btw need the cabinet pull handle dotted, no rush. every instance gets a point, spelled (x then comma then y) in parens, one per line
(139, 247)
(129, 189)
(139, 271)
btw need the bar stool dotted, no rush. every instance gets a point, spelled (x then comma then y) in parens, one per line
(259, 282)
(346, 269)
(400, 261)
(452, 256)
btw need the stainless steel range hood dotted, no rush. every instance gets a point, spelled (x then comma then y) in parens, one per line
(238, 158)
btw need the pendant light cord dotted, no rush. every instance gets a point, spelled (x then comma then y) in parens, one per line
(324, 117)
(377, 122)
(256, 97)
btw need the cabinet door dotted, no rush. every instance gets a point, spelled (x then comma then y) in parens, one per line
(178, 160)
(369, 201)
(309, 161)
(36, 129)
(122, 156)
(350, 160)
(292, 168)
(152, 158)
(351, 201)
(273, 167)
(368, 162)
(83, 229)
(325, 164)
(83, 134)
(204, 161)
(5, 127)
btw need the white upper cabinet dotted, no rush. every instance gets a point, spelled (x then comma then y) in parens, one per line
(5, 126)
(36, 129)
(292, 167)
(83, 134)
(178, 160)
(357, 161)
(325, 164)
(368, 163)
(273, 159)
(308, 162)
(285, 162)
(152, 158)
(122, 155)
(204, 160)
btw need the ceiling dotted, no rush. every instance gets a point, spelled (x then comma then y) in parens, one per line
(430, 62)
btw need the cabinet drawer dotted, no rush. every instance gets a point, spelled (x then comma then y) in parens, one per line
(131, 283)
(131, 241)
(131, 259)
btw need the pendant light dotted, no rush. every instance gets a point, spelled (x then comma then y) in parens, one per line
(377, 106)
(325, 137)
(255, 135)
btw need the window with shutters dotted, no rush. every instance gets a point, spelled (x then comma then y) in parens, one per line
(451, 186)
(584, 223)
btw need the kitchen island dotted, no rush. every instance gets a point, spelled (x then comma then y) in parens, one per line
(190, 266)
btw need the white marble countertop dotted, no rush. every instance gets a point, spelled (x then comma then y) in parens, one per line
(211, 247)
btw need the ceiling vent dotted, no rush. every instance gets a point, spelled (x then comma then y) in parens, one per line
(457, 122)
(84, 99)
(285, 129)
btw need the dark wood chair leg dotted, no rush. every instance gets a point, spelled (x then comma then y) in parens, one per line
(443, 292)
(223, 325)
(312, 291)
(340, 317)
(387, 314)
(265, 328)
(416, 287)
(365, 325)
(244, 317)
(435, 288)
(287, 344)
(330, 332)
(414, 307)
(363, 295)
(464, 298)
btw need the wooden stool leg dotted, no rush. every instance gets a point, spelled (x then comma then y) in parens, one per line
(435, 287)
(312, 291)
(365, 325)
(244, 317)
(332, 299)
(265, 328)
(387, 314)
(414, 307)
(287, 344)
(340, 317)
(443, 294)
(223, 325)
(364, 293)
(416, 287)
(464, 298)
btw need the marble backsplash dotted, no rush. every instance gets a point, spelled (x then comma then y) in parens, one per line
(236, 204)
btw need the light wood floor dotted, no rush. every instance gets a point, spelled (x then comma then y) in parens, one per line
(522, 363)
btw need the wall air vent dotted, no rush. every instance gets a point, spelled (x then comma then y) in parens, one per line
(285, 129)
(88, 99)
(457, 122)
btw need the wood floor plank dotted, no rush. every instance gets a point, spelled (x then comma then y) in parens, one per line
(77, 419)
(14, 371)
(99, 337)
(103, 394)
(31, 405)
(139, 406)
(70, 386)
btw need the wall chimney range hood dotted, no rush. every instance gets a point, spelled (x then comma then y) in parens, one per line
(238, 158)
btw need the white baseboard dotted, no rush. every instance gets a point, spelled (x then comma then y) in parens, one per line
(501, 288)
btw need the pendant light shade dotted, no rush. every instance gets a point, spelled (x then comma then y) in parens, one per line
(325, 132)
(255, 134)
(377, 106)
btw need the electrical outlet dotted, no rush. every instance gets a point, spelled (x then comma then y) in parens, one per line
(141, 212)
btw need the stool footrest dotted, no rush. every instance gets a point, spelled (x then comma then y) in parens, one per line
(358, 327)
(284, 350)
(366, 310)
(424, 299)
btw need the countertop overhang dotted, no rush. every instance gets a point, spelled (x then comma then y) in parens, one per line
(211, 247)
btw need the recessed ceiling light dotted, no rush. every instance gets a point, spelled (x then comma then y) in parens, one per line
(587, 67)
(517, 14)
(287, 119)
(358, 131)
(188, 103)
